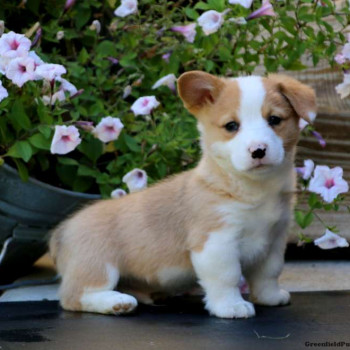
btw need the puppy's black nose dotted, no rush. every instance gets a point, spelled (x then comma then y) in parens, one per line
(259, 153)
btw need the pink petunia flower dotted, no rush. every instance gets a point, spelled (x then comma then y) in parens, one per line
(211, 21)
(65, 139)
(117, 193)
(37, 60)
(136, 180)
(265, 10)
(306, 171)
(4, 62)
(319, 138)
(328, 182)
(20, 70)
(188, 31)
(69, 4)
(166, 56)
(50, 71)
(245, 3)
(346, 51)
(331, 240)
(3, 92)
(340, 58)
(108, 129)
(168, 80)
(343, 89)
(126, 8)
(303, 124)
(13, 45)
(60, 94)
(144, 105)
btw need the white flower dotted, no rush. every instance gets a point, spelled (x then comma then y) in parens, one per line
(328, 182)
(60, 94)
(65, 139)
(13, 45)
(60, 35)
(3, 92)
(37, 60)
(188, 31)
(126, 8)
(117, 193)
(167, 80)
(127, 91)
(307, 169)
(50, 71)
(245, 3)
(20, 70)
(346, 51)
(331, 240)
(144, 105)
(135, 180)
(4, 62)
(96, 26)
(303, 124)
(343, 89)
(108, 129)
(211, 21)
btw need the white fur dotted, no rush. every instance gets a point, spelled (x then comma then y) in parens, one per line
(106, 301)
(218, 270)
(254, 131)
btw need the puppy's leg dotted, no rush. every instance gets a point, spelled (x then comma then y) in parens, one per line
(263, 276)
(218, 270)
(90, 288)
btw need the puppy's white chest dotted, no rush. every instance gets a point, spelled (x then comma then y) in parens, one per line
(251, 226)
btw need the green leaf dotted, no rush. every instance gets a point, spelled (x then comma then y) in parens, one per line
(299, 218)
(131, 143)
(19, 117)
(202, 6)
(39, 141)
(106, 48)
(22, 170)
(84, 170)
(67, 161)
(45, 130)
(82, 184)
(92, 148)
(308, 218)
(21, 149)
(191, 13)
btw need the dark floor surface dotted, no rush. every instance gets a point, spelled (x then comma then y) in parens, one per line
(181, 324)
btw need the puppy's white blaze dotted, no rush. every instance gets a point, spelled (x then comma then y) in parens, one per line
(252, 98)
(253, 131)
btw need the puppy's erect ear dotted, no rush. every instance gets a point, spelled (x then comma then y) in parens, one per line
(198, 89)
(301, 97)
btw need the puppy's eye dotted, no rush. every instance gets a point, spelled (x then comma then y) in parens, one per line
(273, 120)
(231, 126)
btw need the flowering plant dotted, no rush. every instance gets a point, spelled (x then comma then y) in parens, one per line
(87, 93)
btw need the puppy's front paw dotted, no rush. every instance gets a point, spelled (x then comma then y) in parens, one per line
(272, 297)
(226, 309)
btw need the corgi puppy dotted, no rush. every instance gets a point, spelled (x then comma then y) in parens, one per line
(227, 216)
